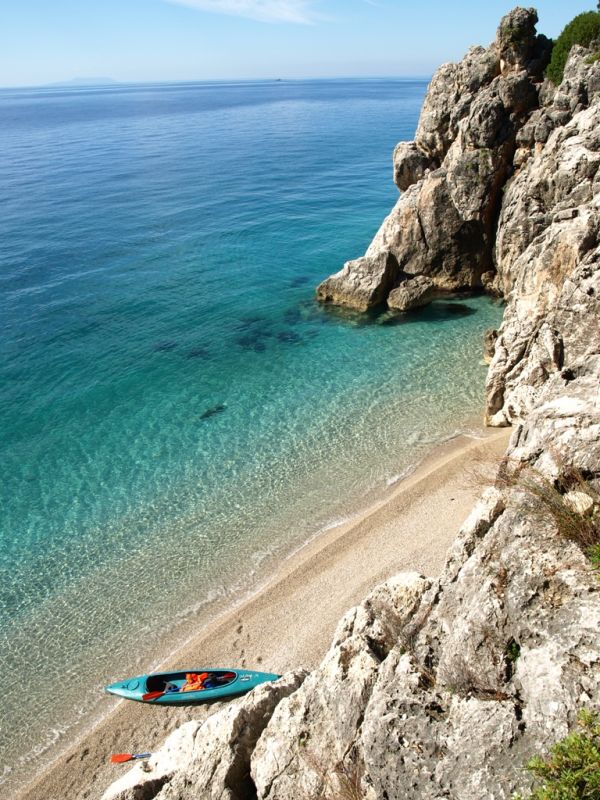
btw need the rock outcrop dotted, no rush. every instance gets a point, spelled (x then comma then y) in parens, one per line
(412, 293)
(312, 733)
(362, 284)
(452, 175)
(209, 760)
(444, 688)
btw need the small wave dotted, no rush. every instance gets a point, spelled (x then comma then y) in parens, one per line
(400, 476)
(336, 523)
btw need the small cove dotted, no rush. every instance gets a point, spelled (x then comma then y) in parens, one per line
(176, 410)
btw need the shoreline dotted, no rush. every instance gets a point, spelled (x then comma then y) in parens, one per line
(282, 623)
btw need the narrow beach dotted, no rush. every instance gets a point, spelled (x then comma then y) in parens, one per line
(289, 622)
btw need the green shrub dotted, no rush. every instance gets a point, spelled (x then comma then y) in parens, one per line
(593, 553)
(513, 651)
(572, 769)
(583, 29)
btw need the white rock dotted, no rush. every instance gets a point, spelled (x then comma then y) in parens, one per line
(580, 502)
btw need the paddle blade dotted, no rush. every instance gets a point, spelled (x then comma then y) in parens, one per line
(121, 758)
(151, 696)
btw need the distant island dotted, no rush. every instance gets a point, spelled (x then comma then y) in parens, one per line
(82, 82)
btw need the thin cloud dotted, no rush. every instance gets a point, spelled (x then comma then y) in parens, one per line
(296, 11)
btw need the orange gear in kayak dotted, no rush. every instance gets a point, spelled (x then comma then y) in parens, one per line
(194, 682)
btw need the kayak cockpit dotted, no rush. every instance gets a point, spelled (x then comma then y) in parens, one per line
(169, 682)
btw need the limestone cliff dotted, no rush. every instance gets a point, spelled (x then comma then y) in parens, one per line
(546, 249)
(452, 175)
(442, 689)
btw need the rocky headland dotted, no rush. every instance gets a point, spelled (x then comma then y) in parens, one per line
(443, 688)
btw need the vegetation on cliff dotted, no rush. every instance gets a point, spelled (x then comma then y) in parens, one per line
(583, 30)
(567, 501)
(572, 769)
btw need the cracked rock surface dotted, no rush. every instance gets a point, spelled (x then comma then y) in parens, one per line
(547, 252)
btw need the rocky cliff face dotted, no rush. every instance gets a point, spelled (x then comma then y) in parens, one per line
(442, 689)
(452, 175)
(546, 247)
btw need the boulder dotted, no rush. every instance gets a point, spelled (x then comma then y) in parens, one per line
(489, 344)
(361, 284)
(412, 293)
(410, 164)
(518, 45)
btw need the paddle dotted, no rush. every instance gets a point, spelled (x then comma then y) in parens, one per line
(151, 696)
(121, 758)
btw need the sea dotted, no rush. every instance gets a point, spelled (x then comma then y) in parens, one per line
(177, 413)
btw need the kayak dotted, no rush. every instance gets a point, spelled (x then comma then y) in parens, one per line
(166, 688)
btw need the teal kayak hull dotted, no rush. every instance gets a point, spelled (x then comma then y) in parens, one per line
(165, 688)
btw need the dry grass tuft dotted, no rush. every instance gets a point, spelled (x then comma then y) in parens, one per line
(466, 681)
(570, 503)
(343, 781)
(557, 502)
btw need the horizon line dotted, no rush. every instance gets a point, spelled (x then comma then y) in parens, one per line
(113, 83)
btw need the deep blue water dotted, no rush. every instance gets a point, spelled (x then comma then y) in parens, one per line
(168, 385)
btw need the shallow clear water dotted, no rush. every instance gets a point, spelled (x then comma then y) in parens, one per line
(174, 407)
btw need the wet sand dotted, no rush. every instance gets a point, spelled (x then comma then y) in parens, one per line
(289, 622)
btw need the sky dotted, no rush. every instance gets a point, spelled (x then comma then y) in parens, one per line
(47, 41)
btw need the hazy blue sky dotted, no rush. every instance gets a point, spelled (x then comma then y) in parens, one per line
(42, 41)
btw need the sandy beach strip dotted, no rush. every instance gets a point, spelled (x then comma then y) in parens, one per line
(289, 622)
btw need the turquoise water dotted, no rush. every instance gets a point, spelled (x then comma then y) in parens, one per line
(175, 410)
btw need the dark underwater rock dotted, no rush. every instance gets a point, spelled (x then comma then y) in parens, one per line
(198, 352)
(213, 410)
(299, 280)
(164, 347)
(289, 337)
